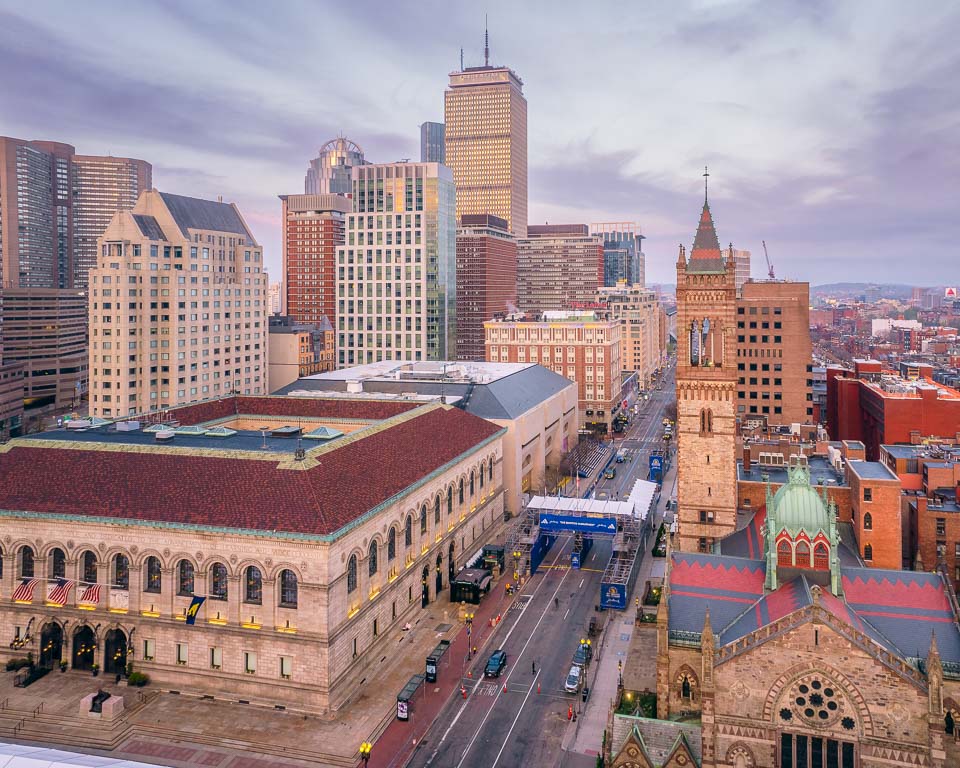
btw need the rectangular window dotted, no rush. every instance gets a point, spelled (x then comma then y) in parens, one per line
(868, 494)
(216, 658)
(182, 654)
(941, 526)
(286, 667)
(149, 649)
(250, 662)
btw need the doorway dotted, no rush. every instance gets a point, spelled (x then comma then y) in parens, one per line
(425, 587)
(51, 645)
(115, 659)
(84, 648)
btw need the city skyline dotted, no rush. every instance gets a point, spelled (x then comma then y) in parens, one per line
(824, 134)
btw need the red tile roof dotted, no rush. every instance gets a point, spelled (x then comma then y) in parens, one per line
(330, 408)
(159, 486)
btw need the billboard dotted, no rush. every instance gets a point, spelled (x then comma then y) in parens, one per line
(575, 560)
(552, 522)
(949, 293)
(613, 596)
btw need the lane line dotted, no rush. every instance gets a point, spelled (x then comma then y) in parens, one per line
(514, 724)
(566, 614)
(581, 582)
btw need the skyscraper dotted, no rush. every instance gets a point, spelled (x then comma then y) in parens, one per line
(329, 172)
(58, 203)
(742, 261)
(396, 274)
(104, 185)
(486, 142)
(486, 279)
(432, 146)
(196, 257)
(559, 266)
(623, 259)
(312, 231)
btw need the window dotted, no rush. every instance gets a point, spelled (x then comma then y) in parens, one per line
(436, 511)
(391, 544)
(218, 581)
(868, 552)
(149, 649)
(27, 563)
(450, 500)
(121, 572)
(182, 654)
(423, 519)
(216, 658)
(250, 662)
(821, 556)
(288, 589)
(941, 526)
(868, 522)
(153, 576)
(352, 573)
(472, 478)
(784, 553)
(490, 471)
(286, 667)
(253, 586)
(868, 494)
(58, 564)
(185, 578)
(481, 478)
(408, 531)
(802, 556)
(372, 564)
(460, 492)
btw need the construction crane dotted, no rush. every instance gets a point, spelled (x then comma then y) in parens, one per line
(769, 265)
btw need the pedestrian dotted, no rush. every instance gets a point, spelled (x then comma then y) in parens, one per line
(533, 668)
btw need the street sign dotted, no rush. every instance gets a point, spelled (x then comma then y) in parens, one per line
(551, 522)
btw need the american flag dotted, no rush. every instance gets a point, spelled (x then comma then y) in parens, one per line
(24, 593)
(59, 592)
(91, 594)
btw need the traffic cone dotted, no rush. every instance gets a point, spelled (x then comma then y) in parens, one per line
(570, 712)
(463, 691)
(470, 673)
(504, 686)
(538, 687)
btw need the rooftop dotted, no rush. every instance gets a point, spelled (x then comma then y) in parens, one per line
(195, 213)
(871, 470)
(822, 472)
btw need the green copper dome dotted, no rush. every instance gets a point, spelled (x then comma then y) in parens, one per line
(797, 505)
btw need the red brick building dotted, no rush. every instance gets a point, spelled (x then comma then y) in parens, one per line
(486, 279)
(878, 407)
(313, 227)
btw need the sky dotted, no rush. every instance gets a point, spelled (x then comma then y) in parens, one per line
(831, 130)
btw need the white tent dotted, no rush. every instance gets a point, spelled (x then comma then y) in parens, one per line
(23, 756)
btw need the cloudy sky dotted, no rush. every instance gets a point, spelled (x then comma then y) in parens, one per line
(832, 130)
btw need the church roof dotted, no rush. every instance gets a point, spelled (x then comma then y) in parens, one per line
(705, 255)
(798, 506)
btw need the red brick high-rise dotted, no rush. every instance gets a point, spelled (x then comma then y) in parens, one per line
(486, 279)
(312, 230)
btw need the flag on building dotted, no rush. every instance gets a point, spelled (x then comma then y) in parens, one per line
(24, 593)
(194, 609)
(91, 594)
(60, 591)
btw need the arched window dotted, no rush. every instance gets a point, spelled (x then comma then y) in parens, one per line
(450, 500)
(685, 689)
(802, 555)
(372, 557)
(26, 563)
(481, 477)
(288, 589)
(121, 571)
(58, 564)
(948, 724)
(490, 474)
(153, 577)
(784, 553)
(253, 588)
(185, 578)
(710, 420)
(460, 492)
(423, 519)
(868, 552)
(351, 574)
(391, 544)
(472, 482)
(89, 567)
(1, 562)
(703, 420)
(821, 556)
(218, 581)
(436, 511)
(868, 522)
(408, 531)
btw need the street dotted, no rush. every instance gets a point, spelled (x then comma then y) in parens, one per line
(522, 717)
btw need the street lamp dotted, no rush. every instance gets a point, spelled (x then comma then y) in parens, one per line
(620, 673)
(516, 565)
(365, 752)
(468, 617)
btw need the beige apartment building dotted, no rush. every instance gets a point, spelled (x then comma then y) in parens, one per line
(559, 267)
(46, 330)
(177, 307)
(309, 575)
(638, 310)
(578, 345)
(485, 114)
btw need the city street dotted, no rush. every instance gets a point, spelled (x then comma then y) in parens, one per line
(521, 718)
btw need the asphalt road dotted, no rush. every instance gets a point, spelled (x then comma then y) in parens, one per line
(521, 717)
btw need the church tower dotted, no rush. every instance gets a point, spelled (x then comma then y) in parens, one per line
(706, 390)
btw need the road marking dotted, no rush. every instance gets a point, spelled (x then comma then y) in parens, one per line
(566, 614)
(514, 724)
(581, 583)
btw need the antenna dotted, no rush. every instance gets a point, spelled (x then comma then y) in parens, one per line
(706, 177)
(461, 59)
(486, 42)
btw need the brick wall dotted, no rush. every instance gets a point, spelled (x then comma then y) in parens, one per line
(885, 534)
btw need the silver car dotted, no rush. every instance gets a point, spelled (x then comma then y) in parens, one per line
(573, 680)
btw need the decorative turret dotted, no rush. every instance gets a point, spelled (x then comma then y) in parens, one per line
(707, 645)
(934, 679)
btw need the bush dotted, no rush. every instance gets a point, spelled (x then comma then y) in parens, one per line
(15, 664)
(138, 679)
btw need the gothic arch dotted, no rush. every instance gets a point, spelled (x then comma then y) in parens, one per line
(686, 684)
(739, 755)
(783, 684)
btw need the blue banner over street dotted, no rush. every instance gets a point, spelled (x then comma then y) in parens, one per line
(552, 522)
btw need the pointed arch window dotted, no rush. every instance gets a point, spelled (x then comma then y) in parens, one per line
(481, 477)
(821, 556)
(868, 522)
(784, 553)
(868, 552)
(685, 691)
(472, 477)
(802, 555)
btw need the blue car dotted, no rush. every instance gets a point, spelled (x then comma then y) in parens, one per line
(496, 663)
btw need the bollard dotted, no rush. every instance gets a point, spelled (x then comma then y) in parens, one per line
(463, 691)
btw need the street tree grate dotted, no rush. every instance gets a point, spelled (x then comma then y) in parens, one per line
(443, 628)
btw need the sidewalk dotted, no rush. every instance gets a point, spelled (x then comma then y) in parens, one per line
(397, 742)
(587, 735)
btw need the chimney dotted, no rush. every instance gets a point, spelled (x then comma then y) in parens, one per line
(746, 458)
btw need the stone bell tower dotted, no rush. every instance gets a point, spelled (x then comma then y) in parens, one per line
(706, 390)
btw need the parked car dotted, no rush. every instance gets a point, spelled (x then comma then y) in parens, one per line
(496, 663)
(583, 655)
(609, 473)
(574, 678)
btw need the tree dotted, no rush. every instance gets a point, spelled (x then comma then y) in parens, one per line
(671, 410)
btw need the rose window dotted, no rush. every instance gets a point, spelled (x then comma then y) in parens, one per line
(816, 701)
